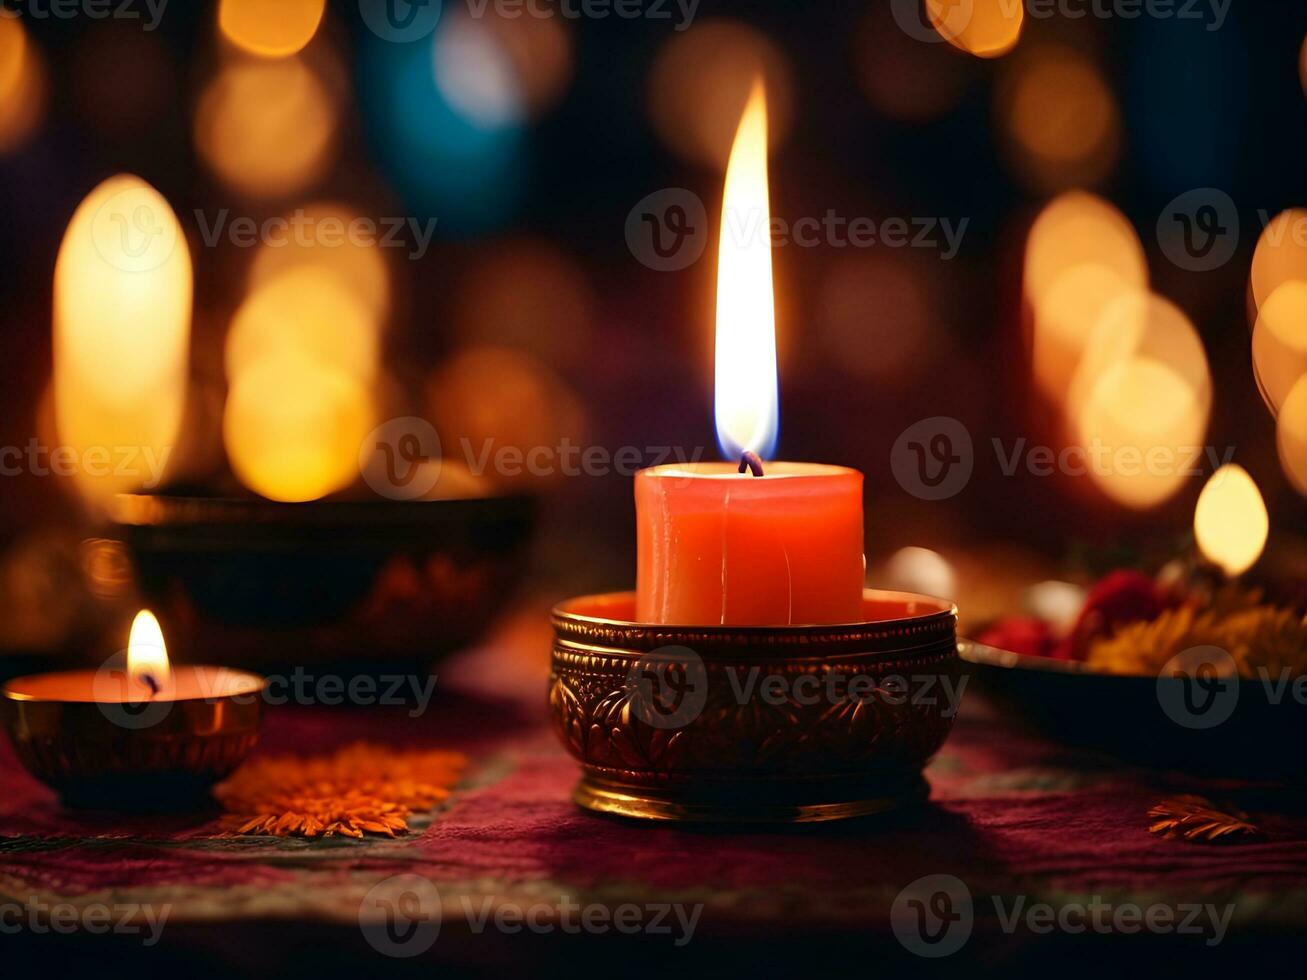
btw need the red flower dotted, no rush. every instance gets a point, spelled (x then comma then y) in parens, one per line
(1020, 634)
(1121, 597)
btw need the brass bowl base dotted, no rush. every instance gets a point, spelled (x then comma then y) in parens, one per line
(825, 801)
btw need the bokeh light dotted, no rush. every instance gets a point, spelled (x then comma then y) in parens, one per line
(1230, 520)
(920, 570)
(1281, 254)
(13, 56)
(330, 236)
(985, 28)
(273, 30)
(1291, 436)
(1060, 118)
(267, 129)
(1302, 65)
(1280, 342)
(701, 80)
(1140, 400)
(875, 317)
(1078, 228)
(306, 311)
(1065, 319)
(540, 52)
(1139, 325)
(122, 317)
(446, 121)
(529, 294)
(22, 85)
(293, 426)
(1150, 423)
(475, 74)
(506, 411)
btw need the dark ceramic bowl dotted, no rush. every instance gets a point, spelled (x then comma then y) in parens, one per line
(1239, 727)
(363, 586)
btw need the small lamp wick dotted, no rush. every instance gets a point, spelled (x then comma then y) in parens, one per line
(750, 461)
(151, 683)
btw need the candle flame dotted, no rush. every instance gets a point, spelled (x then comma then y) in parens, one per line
(1230, 520)
(147, 657)
(747, 399)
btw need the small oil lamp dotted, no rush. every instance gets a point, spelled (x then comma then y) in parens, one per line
(141, 736)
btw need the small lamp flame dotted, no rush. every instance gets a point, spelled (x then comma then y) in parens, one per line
(1230, 520)
(147, 657)
(747, 401)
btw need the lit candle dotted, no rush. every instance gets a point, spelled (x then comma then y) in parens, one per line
(151, 737)
(748, 542)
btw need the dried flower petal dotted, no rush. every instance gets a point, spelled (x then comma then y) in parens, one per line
(360, 789)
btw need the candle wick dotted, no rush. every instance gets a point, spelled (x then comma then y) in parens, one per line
(750, 461)
(151, 683)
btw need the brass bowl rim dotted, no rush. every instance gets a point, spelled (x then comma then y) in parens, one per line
(944, 613)
(15, 697)
(159, 510)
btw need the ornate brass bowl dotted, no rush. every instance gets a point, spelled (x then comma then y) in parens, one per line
(761, 724)
(134, 757)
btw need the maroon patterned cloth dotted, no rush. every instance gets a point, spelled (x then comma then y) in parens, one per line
(1011, 817)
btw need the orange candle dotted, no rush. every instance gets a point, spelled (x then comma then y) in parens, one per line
(724, 548)
(756, 544)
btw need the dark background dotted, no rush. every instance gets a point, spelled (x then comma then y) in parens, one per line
(1198, 108)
